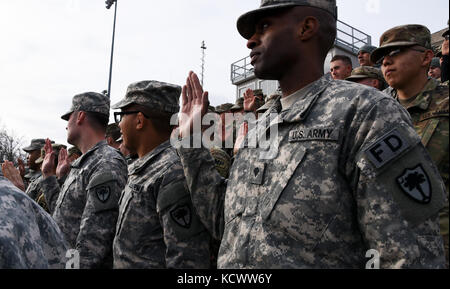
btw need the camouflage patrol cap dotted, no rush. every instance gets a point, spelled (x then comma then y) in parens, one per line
(224, 107)
(367, 48)
(402, 36)
(366, 72)
(238, 105)
(246, 23)
(435, 62)
(161, 96)
(269, 102)
(74, 150)
(258, 92)
(89, 102)
(36, 144)
(113, 131)
(56, 149)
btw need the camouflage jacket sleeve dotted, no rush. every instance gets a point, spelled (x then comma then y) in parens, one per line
(186, 238)
(397, 188)
(29, 237)
(97, 228)
(50, 187)
(207, 188)
(34, 188)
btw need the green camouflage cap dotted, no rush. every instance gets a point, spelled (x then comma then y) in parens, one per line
(246, 23)
(238, 105)
(367, 48)
(161, 96)
(74, 150)
(258, 92)
(89, 102)
(56, 149)
(269, 102)
(435, 62)
(401, 36)
(366, 72)
(224, 107)
(113, 130)
(36, 144)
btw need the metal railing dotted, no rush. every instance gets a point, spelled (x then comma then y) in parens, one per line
(348, 38)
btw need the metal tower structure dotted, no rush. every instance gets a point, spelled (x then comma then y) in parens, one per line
(203, 60)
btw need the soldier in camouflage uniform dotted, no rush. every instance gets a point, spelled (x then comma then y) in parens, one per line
(435, 69)
(368, 75)
(29, 237)
(157, 226)
(36, 192)
(345, 174)
(364, 55)
(113, 135)
(33, 150)
(405, 53)
(86, 206)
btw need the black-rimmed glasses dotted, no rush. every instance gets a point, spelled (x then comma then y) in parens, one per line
(119, 115)
(398, 51)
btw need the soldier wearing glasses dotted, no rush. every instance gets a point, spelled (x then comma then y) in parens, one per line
(405, 55)
(158, 226)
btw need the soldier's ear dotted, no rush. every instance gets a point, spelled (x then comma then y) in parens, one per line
(308, 27)
(428, 57)
(81, 117)
(140, 121)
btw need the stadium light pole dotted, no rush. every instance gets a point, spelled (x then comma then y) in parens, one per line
(109, 3)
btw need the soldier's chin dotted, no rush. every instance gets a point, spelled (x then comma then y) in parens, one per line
(265, 74)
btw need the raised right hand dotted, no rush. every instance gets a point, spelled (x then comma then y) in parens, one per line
(194, 107)
(48, 165)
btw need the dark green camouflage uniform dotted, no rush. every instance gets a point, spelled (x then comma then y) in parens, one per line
(429, 111)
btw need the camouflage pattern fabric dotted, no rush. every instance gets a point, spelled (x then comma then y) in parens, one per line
(401, 36)
(34, 187)
(29, 237)
(157, 95)
(86, 206)
(89, 102)
(346, 178)
(430, 112)
(246, 23)
(36, 144)
(158, 226)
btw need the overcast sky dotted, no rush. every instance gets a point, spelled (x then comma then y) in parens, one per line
(53, 49)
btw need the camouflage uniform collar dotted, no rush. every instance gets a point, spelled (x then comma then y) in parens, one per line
(423, 99)
(299, 111)
(79, 162)
(33, 174)
(141, 163)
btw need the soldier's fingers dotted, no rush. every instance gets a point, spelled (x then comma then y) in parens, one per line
(48, 147)
(189, 89)
(184, 97)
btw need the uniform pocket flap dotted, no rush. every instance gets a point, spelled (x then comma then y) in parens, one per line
(281, 177)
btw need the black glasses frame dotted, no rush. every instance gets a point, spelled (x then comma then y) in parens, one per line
(119, 115)
(395, 52)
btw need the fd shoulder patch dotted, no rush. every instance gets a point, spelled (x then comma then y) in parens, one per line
(182, 216)
(387, 148)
